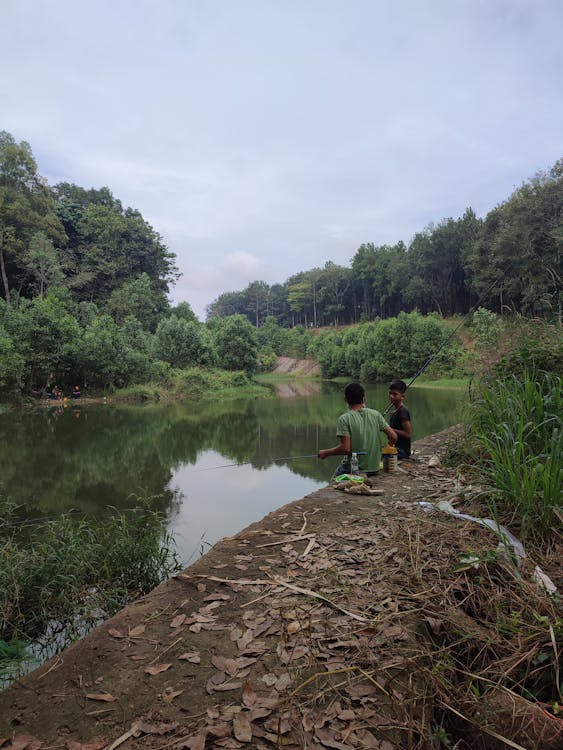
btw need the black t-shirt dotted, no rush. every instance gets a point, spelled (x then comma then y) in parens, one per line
(396, 422)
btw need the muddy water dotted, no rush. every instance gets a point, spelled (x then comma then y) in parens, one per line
(211, 467)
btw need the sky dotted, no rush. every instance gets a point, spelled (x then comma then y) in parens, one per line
(261, 138)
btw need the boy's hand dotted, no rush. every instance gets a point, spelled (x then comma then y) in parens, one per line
(322, 454)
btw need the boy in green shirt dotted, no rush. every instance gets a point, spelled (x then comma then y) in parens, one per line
(358, 430)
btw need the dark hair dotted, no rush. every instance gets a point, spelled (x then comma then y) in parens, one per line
(398, 385)
(354, 393)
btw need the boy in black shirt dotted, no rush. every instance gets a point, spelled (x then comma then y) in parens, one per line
(400, 420)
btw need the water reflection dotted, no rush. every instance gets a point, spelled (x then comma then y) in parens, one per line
(93, 457)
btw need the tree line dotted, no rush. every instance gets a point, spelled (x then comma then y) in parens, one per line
(510, 261)
(84, 290)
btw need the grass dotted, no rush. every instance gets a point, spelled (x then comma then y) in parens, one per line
(67, 574)
(517, 428)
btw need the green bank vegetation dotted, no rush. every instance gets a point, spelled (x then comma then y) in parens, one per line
(513, 442)
(59, 577)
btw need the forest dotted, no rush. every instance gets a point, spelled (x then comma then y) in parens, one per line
(85, 283)
(510, 262)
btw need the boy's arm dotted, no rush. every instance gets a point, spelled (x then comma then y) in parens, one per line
(338, 450)
(406, 429)
(391, 434)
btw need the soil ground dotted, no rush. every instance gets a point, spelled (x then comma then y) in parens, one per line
(301, 631)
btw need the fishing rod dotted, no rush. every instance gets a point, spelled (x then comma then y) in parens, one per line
(247, 463)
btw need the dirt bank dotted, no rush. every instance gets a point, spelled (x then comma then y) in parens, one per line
(297, 367)
(311, 628)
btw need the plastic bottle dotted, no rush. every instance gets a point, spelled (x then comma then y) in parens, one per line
(354, 466)
(389, 457)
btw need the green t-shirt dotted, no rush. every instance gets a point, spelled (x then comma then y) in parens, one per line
(363, 427)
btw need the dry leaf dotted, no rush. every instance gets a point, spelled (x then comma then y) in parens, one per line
(219, 662)
(226, 686)
(178, 620)
(248, 695)
(220, 730)
(73, 745)
(137, 631)
(192, 656)
(328, 739)
(293, 627)
(25, 742)
(169, 697)
(283, 682)
(115, 633)
(201, 587)
(269, 679)
(157, 668)
(242, 728)
(194, 741)
(105, 697)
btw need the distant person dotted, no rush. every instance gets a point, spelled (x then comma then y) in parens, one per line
(358, 430)
(56, 394)
(400, 419)
(76, 393)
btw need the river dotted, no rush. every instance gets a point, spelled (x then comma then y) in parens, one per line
(212, 467)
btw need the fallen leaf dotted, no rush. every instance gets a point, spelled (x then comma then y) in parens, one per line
(217, 597)
(25, 742)
(201, 587)
(362, 690)
(248, 695)
(192, 656)
(105, 697)
(137, 631)
(226, 686)
(219, 662)
(115, 633)
(193, 742)
(242, 728)
(293, 627)
(283, 682)
(269, 679)
(169, 697)
(178, 620)
(328, 739)
(157, 668)
(220, 730)
(73, 745)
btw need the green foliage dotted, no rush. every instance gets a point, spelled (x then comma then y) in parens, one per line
(12, 366)
(518, 424)
(487, 326)
(237, 348)
(138, 298)
(70, 570)
(184, 343)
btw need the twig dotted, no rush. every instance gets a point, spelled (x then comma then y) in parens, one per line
(165, 650)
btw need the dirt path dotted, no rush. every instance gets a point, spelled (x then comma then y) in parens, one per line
(301, 631)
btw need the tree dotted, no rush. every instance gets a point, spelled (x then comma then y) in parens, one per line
(184, 343)
(138, 297)
(26, 207)
(42, 262)
(235, 339)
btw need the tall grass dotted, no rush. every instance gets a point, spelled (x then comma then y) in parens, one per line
(518, 423)
(74, 572)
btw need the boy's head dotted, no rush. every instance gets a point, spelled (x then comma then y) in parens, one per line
(398, 385)
(397, 389)
(354, 393)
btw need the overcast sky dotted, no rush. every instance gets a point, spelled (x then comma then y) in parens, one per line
(264, 137)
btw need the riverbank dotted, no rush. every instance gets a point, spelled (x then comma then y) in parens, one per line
(338, 621)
